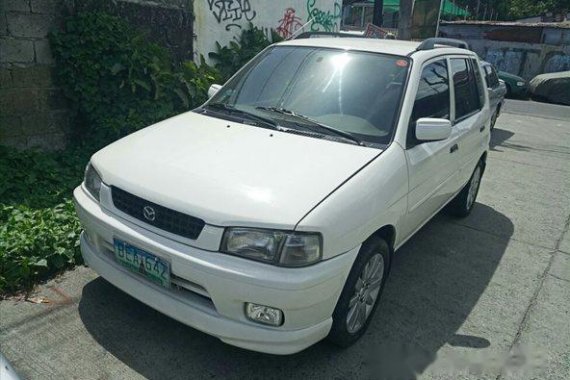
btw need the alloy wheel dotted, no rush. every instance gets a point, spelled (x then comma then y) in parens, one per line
(365, 294)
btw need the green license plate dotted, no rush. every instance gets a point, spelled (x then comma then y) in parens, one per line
(142, 262)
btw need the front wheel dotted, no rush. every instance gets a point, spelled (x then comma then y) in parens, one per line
(463, 202)
(361, 292)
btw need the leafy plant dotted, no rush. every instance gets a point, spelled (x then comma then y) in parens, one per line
(115, 79)
(35, 243)
(38, 227)
(229, 59)
(196, 80)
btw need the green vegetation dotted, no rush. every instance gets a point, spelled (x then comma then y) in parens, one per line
(38, 226)
(231, 58)
(116, 82)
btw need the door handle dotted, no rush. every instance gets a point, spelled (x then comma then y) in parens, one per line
(482, 128)
(453, 148)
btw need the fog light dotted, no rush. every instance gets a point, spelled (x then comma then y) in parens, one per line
(264, 314)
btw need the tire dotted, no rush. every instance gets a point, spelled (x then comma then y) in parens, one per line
(494, 118)
(509, 91)
(374, 256)
(463, 202)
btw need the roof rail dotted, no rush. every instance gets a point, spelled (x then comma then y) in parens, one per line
(329, 34)
(430, 43)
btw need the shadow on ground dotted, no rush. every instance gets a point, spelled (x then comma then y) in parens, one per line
(498, 137)
(436, 280)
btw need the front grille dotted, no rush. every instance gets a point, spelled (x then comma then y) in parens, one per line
(161, 217)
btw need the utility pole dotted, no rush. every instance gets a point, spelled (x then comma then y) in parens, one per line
(441, 4)
(378, 18)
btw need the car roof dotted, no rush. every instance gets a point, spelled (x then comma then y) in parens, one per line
(374, 45)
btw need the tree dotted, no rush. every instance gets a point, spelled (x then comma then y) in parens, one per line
(511, 9)
(526, 8)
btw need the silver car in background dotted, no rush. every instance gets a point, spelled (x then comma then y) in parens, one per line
(497, 90)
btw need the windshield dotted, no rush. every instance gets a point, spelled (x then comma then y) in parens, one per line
(355, 93)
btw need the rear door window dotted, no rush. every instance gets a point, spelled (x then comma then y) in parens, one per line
(467, 98)
(494, 77)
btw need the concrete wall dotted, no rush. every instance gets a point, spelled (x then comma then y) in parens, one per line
(222, 20)
(524, 50)
(32, 110)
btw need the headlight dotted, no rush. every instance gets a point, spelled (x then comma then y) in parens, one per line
(92, 181)
(285, 248)
(520, 84)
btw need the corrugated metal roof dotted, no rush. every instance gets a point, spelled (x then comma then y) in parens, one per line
(558, 25)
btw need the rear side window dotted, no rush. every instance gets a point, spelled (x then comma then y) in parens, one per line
(432, 99)
(491, 77)
(481, 88)
(467, 100)
(488, 78)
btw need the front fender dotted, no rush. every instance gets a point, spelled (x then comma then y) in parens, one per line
(374, 197)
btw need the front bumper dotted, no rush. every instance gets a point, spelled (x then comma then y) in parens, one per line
(215, 286)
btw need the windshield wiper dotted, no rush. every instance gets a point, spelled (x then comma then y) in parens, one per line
(338, 132)
(247, 115)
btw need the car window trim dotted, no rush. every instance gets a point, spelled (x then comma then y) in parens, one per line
(465, 117)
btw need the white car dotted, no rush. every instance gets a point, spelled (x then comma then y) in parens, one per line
(269, 216)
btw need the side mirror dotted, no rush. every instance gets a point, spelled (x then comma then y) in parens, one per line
(430, 129)
(213, 90)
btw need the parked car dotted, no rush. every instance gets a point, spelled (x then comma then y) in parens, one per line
(517, 87)
(497, 91)
(551, 87)
(269, 216)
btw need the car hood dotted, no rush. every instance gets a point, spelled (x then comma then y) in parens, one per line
(229, 173)
(510, 77)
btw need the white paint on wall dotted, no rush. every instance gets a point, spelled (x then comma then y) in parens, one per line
(222, 20)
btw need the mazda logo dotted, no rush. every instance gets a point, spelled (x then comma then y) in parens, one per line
(149, 213)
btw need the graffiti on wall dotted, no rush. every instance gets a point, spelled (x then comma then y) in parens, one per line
(506, 60)
(528, 62)
(289, 24)
(324, 21)
(231, 11)
(557, 61)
